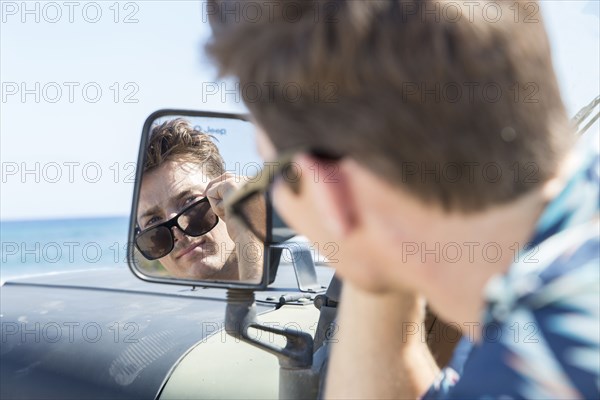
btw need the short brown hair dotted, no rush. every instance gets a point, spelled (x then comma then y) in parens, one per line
(409, 92)
(177, 140)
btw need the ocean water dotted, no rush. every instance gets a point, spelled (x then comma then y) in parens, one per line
(35, 247)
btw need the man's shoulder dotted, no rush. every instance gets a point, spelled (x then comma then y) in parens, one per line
(542, 331)
(552, 271)
(565, 265)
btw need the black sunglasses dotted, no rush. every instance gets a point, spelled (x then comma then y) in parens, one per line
(245, 201)
(195, 220)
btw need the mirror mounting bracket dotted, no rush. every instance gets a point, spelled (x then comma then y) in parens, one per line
(297, 377)
(240, 315)
(304, 266)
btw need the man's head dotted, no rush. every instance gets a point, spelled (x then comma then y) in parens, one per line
(429, 96)
(443, 112)
(180, 162)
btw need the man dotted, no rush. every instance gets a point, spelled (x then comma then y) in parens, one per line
(181, 219)
(437, 153)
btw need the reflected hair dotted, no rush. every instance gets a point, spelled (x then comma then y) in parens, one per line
(177, 140)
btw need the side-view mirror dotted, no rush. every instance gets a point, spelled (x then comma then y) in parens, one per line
(179, 234)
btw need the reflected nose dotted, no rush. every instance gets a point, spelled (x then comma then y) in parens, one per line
(177, 232)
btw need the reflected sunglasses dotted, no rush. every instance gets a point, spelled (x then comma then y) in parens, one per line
(245, 201)
(195, 220)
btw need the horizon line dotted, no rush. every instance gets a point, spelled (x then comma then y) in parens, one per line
(61, 218)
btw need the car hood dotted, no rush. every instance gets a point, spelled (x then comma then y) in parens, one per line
(100, 333)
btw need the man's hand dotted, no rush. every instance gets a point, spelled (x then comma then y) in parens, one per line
(249, 250)
(217, 191)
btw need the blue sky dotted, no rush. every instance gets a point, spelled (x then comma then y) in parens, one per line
(79, 148)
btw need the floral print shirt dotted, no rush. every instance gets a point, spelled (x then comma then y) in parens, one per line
(541, 327)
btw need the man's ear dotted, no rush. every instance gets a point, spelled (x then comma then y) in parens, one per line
(327, 187)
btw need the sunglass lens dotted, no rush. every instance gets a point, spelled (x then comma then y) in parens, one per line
(155, 243)
(198, 220)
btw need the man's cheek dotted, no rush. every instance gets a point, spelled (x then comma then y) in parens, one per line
(211, 247)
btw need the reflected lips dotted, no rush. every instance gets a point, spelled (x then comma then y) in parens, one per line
(189, 249)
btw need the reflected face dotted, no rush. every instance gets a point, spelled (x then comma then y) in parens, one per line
(165, 191)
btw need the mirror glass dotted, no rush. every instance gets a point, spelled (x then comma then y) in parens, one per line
(189, 164)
